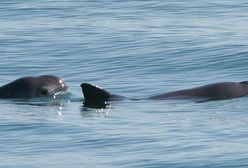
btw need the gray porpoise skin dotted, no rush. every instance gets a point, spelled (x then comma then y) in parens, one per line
(216, 91)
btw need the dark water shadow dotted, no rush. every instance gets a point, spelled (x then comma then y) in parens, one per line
(95, 109)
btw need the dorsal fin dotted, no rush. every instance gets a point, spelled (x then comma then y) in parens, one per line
(93, 93)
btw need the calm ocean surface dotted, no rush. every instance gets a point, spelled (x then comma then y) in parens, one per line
(134, 48)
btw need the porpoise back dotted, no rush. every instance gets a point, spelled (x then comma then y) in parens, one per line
(216, 91)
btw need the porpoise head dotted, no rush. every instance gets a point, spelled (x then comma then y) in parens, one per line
(31, 87)
(48, 85)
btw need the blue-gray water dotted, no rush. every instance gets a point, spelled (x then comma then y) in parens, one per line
(133, 48)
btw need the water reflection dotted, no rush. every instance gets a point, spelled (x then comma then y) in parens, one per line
(95, 109)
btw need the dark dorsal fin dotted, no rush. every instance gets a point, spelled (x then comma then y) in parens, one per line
(94, 93)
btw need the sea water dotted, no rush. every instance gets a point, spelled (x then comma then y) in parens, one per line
(134, 48)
